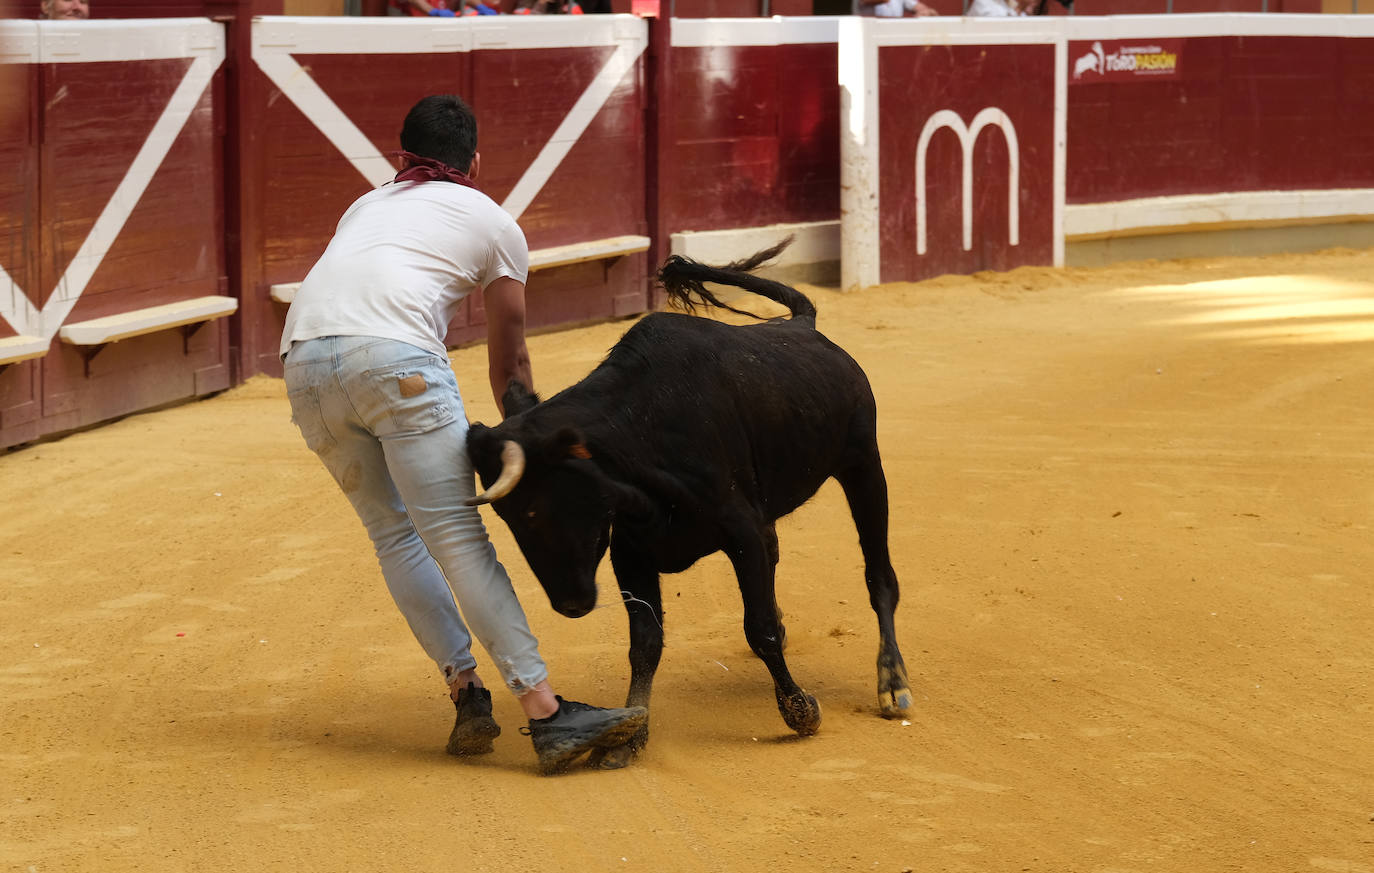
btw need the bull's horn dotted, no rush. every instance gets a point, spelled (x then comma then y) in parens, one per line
(512, 466)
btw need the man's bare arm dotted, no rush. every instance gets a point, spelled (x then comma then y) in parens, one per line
(507, 356)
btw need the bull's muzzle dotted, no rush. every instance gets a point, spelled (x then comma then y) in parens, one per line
(575, 608)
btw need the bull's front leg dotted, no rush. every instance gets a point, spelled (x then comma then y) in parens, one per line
(754, 562)
(639, 589)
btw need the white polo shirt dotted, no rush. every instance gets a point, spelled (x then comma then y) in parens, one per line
(402, 258)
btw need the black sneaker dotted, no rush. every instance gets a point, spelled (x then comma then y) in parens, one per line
(475, 728)
(578, 728)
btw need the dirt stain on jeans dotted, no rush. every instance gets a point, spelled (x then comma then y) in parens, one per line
(351, 477)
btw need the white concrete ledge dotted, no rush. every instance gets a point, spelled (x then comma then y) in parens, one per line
(14, 349)
(112, 328)
(1191, 212)
(594, 250)
(816, 242)
(540, 259)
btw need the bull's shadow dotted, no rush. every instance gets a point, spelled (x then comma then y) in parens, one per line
(692, 437)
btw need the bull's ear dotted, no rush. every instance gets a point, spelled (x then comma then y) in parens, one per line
(568, 442)
(517, 398)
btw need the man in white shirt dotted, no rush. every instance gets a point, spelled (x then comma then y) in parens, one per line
(373, 393)
(892, 8)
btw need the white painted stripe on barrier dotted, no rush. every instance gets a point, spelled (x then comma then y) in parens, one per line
(574, 124)
(1213, 24)
(953, 30)
(126, 196)
(349, 36)
(799, 30)
(816, 242)
(18, 42)
(15, 307)
(313, 35)
(302, 90)
(144, 39)
(1061, 145)
(1197, 211)
(858, 74)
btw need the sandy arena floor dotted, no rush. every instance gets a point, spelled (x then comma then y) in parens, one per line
(1132, 514)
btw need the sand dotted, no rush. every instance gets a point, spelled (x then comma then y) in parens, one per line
(1131, 512)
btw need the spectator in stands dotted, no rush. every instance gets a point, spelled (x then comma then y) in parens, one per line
(996, 9)
(375, 397)
(66, 10)
(421, 8)
(562, 7)
(1010, 8)
(892, 8)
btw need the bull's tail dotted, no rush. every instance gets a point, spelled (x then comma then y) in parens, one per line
(684, 280)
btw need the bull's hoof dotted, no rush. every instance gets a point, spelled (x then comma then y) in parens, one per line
(894, 703)
(801, 712)
(619, 757)
(611, 759)
(894, 692)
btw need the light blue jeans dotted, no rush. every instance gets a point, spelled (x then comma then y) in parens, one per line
(387, 420)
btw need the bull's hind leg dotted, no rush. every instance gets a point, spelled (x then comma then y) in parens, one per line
(865, 487)
(770, 541)
(639, 588)
(749, 552)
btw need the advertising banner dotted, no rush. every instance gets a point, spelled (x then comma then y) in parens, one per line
(1123, 60)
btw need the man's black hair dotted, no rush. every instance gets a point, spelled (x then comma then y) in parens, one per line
(442, 127)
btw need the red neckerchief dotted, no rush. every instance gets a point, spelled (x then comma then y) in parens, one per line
(423, 169)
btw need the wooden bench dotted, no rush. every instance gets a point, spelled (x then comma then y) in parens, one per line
(595, 250)
(189, 315)
(14, 349)
(607, 249)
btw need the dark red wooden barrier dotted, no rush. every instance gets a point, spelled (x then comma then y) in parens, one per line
(1239, 114)
(121, 213)
(561, 133)
(140, 173)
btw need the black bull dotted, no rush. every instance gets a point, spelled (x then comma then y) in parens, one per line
(695, 436)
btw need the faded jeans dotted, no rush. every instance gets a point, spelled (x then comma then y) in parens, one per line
(387, 420)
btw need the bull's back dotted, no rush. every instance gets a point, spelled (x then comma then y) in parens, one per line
(777, 407)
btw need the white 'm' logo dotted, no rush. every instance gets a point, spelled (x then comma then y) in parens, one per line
(968, 135)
